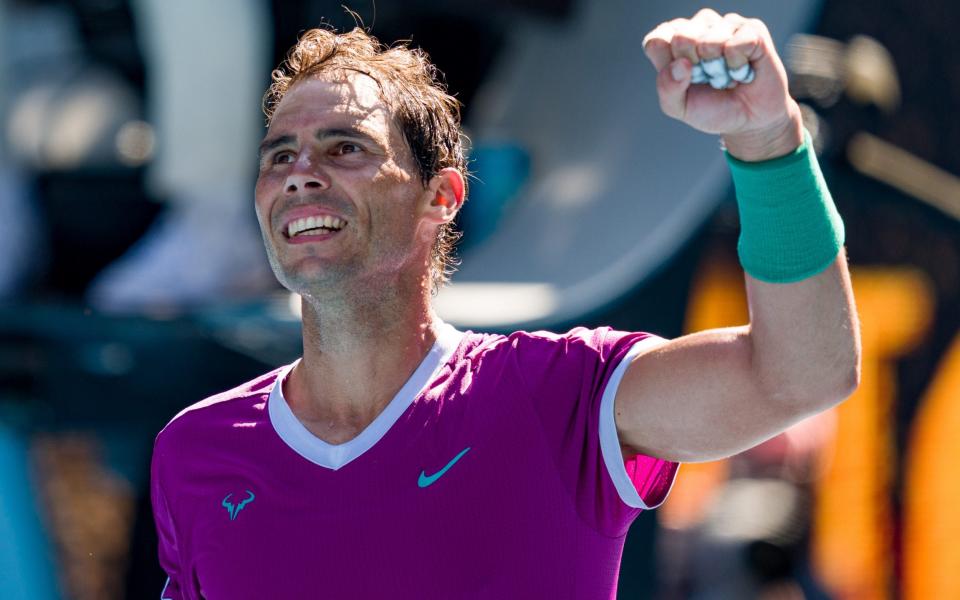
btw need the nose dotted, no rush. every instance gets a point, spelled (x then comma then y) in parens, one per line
(303, 177)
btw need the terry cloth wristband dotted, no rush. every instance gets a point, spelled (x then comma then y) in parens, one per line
(789, 227)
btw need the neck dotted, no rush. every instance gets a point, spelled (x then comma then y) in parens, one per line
(359, 348)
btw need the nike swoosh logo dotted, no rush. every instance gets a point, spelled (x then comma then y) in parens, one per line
(426, 480)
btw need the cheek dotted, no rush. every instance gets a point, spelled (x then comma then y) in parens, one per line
(264, 190)
(399, 222)
(262, 208)
(266, 182)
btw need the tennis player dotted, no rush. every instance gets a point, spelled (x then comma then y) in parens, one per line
(401, 458)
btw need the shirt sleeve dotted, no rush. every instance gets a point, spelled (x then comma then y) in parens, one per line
(166, 532)
(572, 380)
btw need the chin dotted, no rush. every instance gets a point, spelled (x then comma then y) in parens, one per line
(312, 280)
(307, 272)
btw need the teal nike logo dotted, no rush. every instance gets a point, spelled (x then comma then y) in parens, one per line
(234, 509)
(424, 480)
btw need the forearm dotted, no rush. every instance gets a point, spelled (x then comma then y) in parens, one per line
(803, 329)
(805, 338)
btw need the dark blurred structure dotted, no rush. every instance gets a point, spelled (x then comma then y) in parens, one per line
(74, 80)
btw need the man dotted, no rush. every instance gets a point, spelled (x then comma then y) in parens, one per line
(402, 458)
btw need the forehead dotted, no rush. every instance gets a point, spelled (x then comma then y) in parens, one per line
(333, 100)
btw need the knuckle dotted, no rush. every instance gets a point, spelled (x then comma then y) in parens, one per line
(683, 42)
(757, 24)
(706, 12)
(745, 46)
(710, 47)
(660, 30)
(713, 41)
(661, 33)
(709, 53)
(715, 36)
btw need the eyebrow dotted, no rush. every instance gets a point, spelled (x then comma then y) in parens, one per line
(271, 143)
(321, 134)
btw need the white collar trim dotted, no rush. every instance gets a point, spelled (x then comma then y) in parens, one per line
(331, 456)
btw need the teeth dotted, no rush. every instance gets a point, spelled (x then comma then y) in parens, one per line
(307, 223)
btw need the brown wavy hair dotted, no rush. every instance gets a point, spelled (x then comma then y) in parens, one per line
(413, 89)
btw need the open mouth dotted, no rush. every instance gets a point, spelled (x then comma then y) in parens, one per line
(307, 226)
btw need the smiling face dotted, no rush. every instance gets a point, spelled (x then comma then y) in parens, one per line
(338, 196)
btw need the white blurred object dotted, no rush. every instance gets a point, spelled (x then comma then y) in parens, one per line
(194, 255)
(206, 63)
(714, 67)
(872, 74)
(905, 171)
(697, 74)
(716, 72)
(135, 143)
(71, 120)
(755, 509)
(823, 68)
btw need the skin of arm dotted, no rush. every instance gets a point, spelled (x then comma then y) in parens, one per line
(715, 393)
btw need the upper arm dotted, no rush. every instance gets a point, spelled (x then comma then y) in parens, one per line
(696, 398)
(717, 392)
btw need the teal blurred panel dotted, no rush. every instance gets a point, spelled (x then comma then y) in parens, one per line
(26, 567)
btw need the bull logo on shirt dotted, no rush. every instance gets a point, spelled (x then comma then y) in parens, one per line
(234, 509)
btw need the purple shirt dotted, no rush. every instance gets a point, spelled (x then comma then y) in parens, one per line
(495, 472)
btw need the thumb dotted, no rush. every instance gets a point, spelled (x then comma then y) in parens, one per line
(672, 84)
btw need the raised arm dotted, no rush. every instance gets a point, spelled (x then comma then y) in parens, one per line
(715, 393)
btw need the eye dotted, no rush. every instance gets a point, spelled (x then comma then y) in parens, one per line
(283, 157)
(347, 148)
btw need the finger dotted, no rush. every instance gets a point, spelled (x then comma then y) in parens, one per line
(673, 81)
(746, 45)
(713, 39)
(686, 35)
(656, 45)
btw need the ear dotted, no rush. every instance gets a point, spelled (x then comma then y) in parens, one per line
(446, 194)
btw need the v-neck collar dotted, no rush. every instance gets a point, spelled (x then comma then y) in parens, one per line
(334, 456)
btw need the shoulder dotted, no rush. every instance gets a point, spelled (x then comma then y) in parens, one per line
(247, 399)
(477, 346)
(602, 342)
(538, 356)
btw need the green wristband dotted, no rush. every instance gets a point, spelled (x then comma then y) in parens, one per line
(789, 228)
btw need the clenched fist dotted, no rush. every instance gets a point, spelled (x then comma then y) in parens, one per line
(758, 120)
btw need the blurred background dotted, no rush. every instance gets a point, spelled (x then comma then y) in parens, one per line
(133, 280)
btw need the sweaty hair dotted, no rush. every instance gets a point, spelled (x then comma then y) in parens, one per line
(410, 86)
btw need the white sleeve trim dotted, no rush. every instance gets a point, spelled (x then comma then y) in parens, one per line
(609, 441)
(163, 593)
